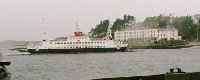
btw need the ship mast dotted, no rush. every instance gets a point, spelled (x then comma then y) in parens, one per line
(78, 32)
(43, 24)
(77, 26)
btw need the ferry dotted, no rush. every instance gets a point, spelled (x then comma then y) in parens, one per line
(78, 42)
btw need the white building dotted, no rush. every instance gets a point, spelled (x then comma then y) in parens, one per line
(145, 33)
(196, 18)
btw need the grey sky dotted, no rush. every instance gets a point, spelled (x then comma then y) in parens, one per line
(20, 19)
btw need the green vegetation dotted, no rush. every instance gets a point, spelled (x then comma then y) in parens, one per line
(157, 21)
(160, 44)
(188, 29)
(121, 24)
(168, 44)
(100, 29)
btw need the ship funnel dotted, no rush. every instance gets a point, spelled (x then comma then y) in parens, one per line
(78, 32)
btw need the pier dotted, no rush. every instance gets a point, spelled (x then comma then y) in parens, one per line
(174, 74)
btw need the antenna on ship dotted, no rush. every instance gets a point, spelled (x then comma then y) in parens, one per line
(78, 32)
(43, 24)
(77, 26)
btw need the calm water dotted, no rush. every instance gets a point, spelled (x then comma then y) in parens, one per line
(92, 66)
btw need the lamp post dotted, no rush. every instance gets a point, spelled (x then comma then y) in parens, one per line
(198, 29)
(198, 34)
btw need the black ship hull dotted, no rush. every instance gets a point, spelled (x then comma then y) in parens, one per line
(80, 50)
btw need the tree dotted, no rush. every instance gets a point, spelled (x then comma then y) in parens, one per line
(157, 21)
(186, 27)
(121, 24)
(100, 29)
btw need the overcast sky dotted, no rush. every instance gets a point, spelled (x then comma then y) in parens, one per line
(21, 19)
